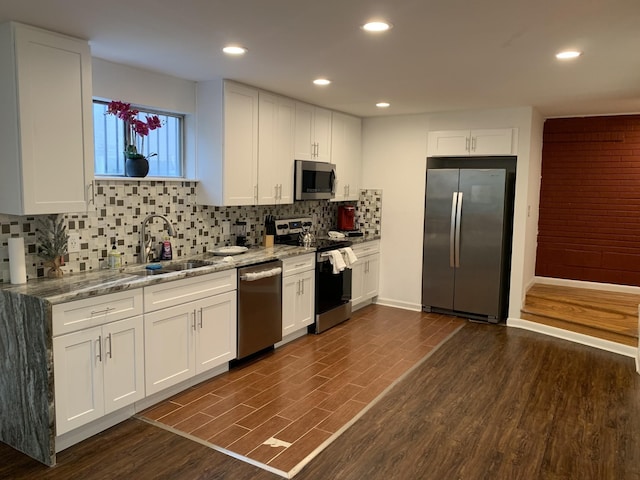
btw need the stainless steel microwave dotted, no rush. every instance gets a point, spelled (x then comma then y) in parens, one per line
(314, 180)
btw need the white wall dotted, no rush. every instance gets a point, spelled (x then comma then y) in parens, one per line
(394, 160)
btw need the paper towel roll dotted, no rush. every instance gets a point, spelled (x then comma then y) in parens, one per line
(17, 267)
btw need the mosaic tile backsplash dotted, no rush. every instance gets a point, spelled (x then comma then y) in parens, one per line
(121, 207)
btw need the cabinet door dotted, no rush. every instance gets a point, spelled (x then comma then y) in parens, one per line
(216, 331)
(371, 276)
(305, 300)
(357, 281)
(322, 134)
(304, 139)
(123, 363)
(52, 155)
(241, 145)
(495, 141)
(275, 149)
(169, 347)
(290, 293)
(448, 143)
(346, 154)
(78, 377)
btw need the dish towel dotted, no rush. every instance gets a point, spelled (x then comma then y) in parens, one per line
(335, 258)
(348, 256)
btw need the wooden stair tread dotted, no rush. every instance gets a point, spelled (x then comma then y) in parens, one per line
(604, 314)
(629, 340)
(599, 299)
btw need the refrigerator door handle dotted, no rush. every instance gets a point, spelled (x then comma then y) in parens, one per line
(457, 234)
(452, 231)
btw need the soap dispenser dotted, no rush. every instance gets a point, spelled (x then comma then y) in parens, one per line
(114, 258)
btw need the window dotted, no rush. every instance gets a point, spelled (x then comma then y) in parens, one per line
(108, 134)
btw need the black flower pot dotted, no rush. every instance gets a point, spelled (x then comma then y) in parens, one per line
(136, 166)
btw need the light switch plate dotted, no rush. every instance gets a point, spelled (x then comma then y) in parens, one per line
(73, 243)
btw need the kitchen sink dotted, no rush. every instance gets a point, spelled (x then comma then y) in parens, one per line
(175, 267)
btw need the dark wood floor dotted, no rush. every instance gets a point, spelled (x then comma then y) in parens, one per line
(491, 403)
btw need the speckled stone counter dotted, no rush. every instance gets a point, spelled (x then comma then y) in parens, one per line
(84, 285)
(27, 418)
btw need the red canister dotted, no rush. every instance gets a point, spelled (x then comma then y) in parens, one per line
(346, 217)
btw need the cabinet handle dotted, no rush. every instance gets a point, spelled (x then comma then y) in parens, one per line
(110, 346)
(280, 192)
(200, 322)
(466, 143)
(317, 149)
(473, 144)
(102, 312)
(193, 323)
(91, 198)
(99, 355)
(298, 287)
(255, 193)
(302, 287)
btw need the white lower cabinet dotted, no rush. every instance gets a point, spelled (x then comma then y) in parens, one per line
(365, 272)
(97, 371)
(186, 338)
(298, 293)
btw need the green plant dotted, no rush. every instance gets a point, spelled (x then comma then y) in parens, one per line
(52, 238)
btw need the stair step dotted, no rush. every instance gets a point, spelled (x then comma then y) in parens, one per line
(609, 315)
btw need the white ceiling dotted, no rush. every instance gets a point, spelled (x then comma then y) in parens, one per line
(441, 54)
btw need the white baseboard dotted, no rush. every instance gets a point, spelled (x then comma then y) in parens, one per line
(580, 338)
(388, 302)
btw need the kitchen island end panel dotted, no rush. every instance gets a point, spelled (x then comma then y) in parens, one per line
(26, 376)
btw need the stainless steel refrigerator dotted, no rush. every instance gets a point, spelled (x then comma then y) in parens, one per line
(466, 253)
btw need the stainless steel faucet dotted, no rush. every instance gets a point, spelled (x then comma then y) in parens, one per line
(145, 245)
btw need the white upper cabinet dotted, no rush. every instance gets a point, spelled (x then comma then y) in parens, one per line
(227, 144)
(346, 154)
(493, 141)
(276, 129)
(313, 133)
(245, 145)
(46, 122)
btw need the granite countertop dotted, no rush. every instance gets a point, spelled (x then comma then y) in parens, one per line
(76, 286)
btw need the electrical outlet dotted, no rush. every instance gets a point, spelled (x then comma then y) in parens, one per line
(73, 243)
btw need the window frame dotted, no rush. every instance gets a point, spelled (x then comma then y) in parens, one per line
(120, 135)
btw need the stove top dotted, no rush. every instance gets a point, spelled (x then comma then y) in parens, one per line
(288, 232)
(326, 244)
(322, 244)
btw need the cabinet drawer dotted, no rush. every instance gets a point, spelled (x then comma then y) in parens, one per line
(94, 311)
(298, 264)
(367, 248)
(168, 294)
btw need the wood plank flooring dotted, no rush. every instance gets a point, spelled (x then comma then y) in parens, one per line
(302, 394)
(602, 314)
(491, 403)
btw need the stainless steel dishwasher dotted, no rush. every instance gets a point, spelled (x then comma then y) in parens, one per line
(259, 307)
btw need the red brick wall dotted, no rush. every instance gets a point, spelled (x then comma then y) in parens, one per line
(589, 227)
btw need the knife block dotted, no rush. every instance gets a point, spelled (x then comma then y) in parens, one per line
(268, 241)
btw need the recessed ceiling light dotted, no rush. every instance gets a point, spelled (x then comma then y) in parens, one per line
(376, 26)
(567, 54)
(383, 105)
(234, 50)
(322, 81)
